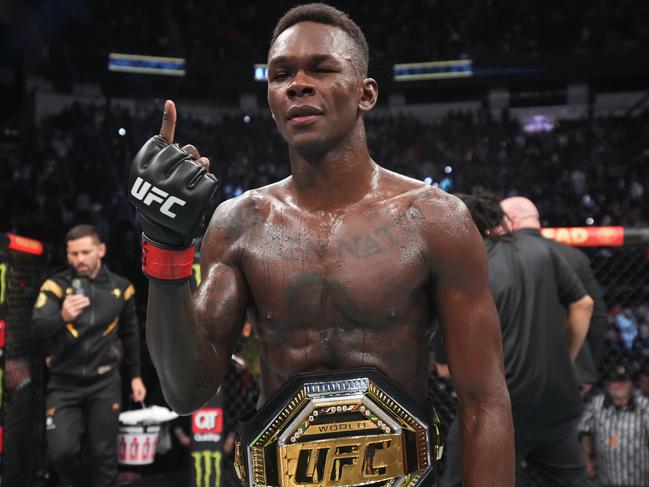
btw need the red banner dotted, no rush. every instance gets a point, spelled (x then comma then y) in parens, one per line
(587, 236)
(24, 244)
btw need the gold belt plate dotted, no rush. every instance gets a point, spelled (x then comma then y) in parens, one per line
(333, 432)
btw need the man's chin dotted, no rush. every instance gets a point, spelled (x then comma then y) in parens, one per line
(310, 146)
(83, 272)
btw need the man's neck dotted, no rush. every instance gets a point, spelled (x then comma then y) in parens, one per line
(526, 225)
(93, 276)
(621, 401)
(332, 180)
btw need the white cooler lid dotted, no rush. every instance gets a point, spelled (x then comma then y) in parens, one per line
(149, 415)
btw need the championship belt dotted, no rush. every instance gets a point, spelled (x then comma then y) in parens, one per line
(351, 427)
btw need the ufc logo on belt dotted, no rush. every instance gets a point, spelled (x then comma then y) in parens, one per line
(147, 193)
(338, 462)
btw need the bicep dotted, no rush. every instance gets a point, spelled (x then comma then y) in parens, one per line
(472, 339)
(221, 300)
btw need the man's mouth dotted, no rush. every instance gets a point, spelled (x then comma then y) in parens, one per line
(303, 120)
(303, 114)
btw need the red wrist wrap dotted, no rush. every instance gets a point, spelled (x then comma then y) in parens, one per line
(166, 264)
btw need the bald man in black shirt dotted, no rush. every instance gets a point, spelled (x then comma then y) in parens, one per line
(523, 214)
(544, 312)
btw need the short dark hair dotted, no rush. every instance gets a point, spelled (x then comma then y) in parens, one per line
(322, 13)
(485, 210)
(80, 231)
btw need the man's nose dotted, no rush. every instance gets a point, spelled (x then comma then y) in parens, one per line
(301, 85)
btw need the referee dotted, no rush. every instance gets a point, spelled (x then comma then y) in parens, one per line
(615, 433)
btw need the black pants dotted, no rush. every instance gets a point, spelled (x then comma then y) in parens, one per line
(84, 406)
(554, 453)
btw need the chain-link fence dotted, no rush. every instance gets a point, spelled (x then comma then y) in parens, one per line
(623, 274)
(23, 434)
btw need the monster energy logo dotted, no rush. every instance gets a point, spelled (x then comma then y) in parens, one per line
(197, 273)
(210, 461)
(3, 282)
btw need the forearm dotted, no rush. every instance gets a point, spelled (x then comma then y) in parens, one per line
(597, 333)
(488, 458)
(183, 356)
(579, 314)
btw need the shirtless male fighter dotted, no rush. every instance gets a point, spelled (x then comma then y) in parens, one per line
(343, 264)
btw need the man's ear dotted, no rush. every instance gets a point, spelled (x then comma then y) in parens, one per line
(509, 224)
(102, 250)
(369, 95)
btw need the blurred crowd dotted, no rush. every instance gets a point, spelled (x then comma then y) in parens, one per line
(74, 168)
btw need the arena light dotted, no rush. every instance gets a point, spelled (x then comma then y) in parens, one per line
(456, 68)
(139, 63)
(260, 72)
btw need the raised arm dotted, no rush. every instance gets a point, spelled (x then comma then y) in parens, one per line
(190, 340)
(473, 342)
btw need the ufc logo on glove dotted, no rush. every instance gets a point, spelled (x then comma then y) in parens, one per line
(147, 193)
(170, 191)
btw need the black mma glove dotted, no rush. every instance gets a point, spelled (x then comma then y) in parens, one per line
(170, 191)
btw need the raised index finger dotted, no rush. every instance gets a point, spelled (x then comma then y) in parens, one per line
(168, 126)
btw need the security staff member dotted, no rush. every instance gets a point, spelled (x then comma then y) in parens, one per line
(544, 313)
(523, 216)
(82, 313)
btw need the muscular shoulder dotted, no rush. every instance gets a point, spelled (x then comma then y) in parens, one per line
(437, 206)
(444, 213)
(235, 217)
(452, 239)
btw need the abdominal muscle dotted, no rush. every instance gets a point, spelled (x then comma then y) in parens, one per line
(401, 353)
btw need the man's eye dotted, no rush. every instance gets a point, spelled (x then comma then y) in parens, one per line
(279, 75)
